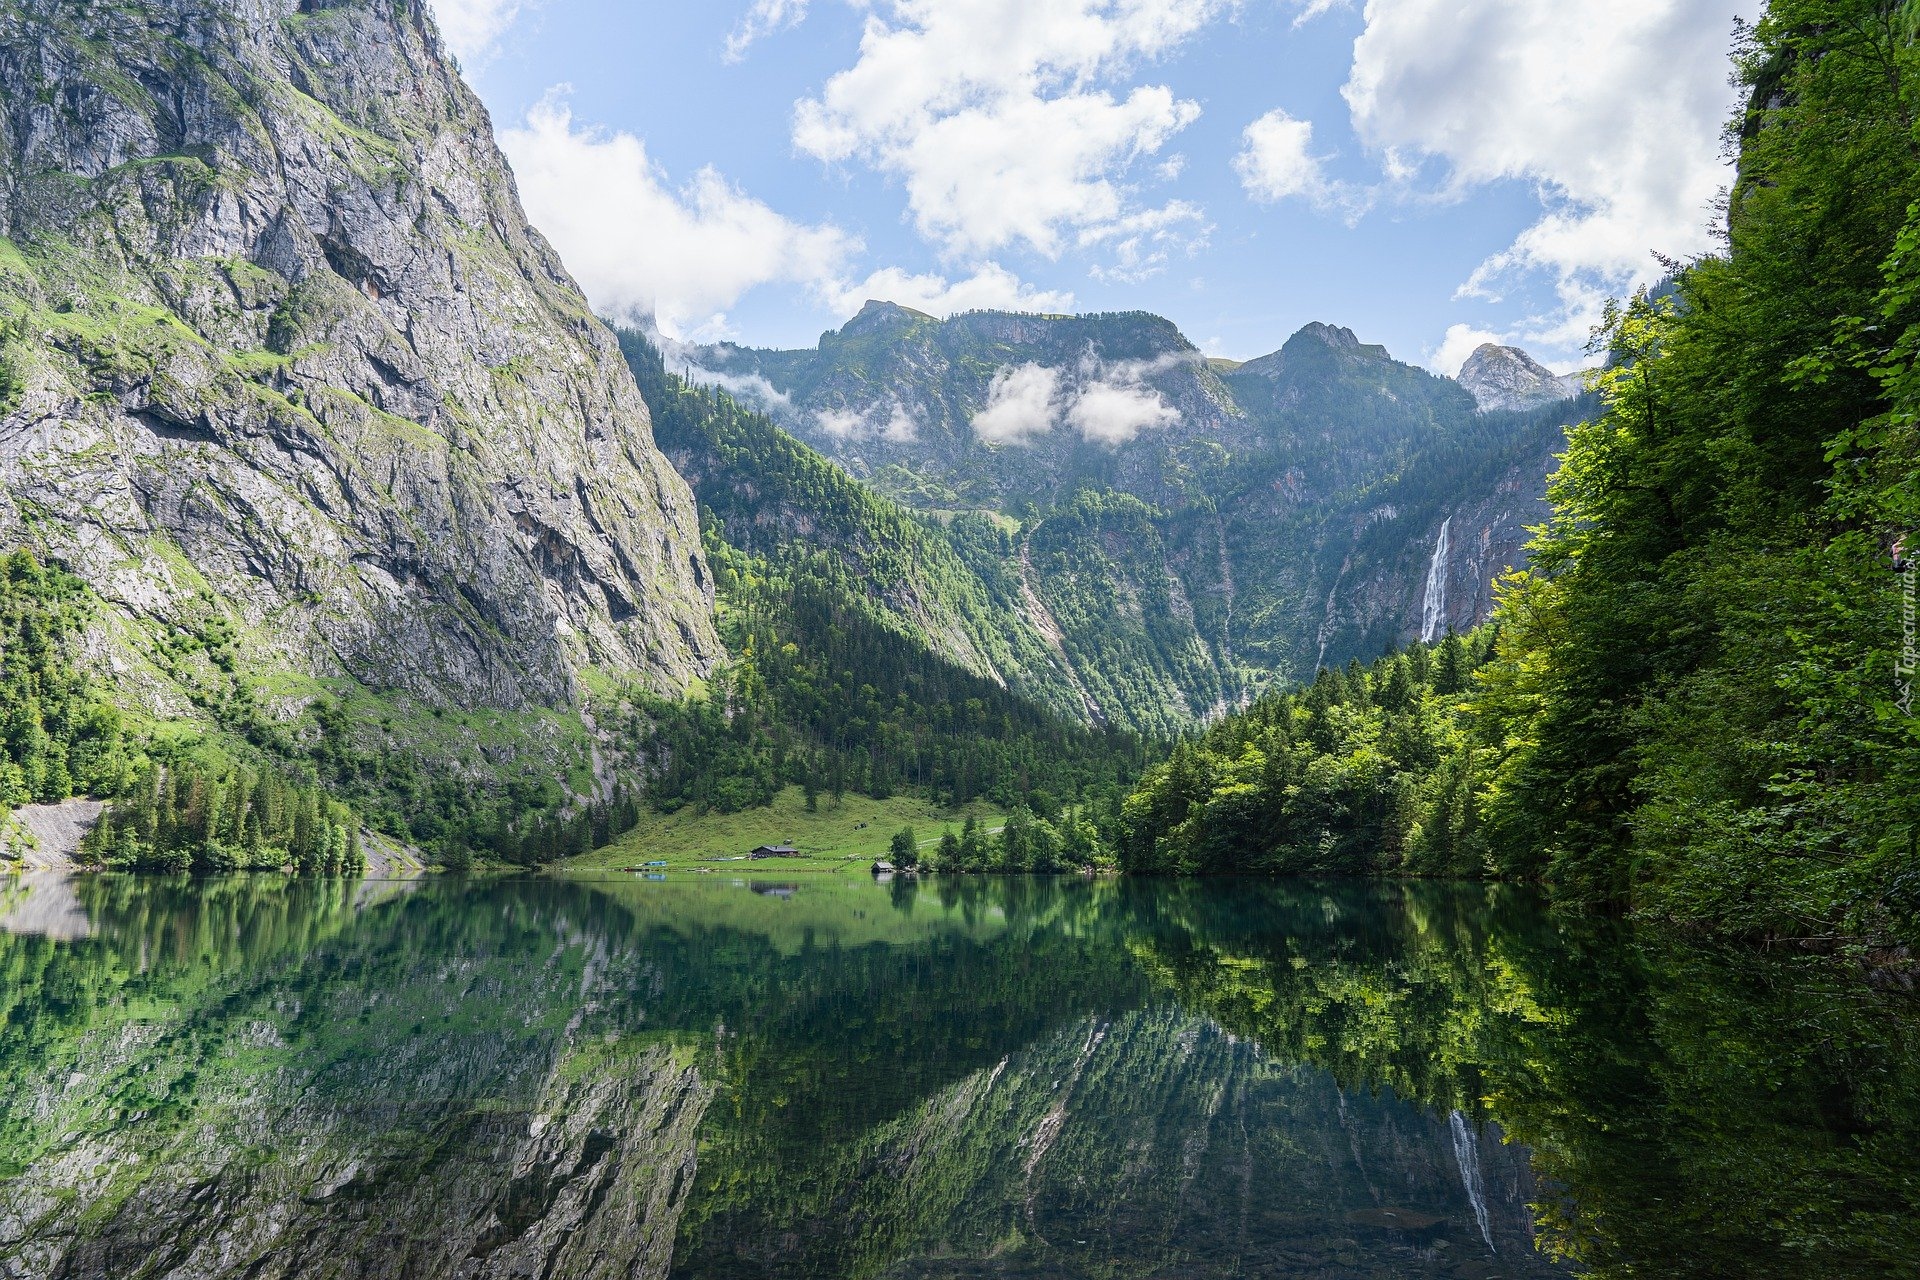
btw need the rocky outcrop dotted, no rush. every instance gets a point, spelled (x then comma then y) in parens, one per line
(1334, 338)
(1503, 378)
(287, 362)
(46, 837)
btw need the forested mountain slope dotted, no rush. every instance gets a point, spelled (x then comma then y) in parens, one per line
(866, 653)
(772, 497)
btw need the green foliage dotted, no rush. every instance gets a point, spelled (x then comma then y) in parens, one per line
(822, 695)
(209, 815)
(507, 806)
(1698, 703)
(172, 809)
(58, 737)
(1028, 844)
(1367, 771)
(1701, 702)
(904, 851)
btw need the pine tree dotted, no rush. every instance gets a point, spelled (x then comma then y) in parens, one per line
(1450, 672)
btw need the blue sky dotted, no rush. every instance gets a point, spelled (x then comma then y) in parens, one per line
(1431, 173)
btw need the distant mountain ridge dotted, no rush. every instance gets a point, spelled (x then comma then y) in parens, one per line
(1189, 529)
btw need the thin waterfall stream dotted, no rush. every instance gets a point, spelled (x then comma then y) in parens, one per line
(1433, 611)
(1468, 1156)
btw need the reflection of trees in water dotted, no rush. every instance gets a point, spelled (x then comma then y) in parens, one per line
(877, 1075)
(1706, 1112)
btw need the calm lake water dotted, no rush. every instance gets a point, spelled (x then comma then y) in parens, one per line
(610, 1078)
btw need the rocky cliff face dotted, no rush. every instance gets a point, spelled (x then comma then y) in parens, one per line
(1418, 573)
(288, 363)
(1508, 378)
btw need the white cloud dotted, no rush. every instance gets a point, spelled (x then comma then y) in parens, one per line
(888, 421)
(1462, 340)
(992, 114)
(1022, 404)
(748, 388)
(1277, 160)
(1141, 243)
(471, 28)
(1106, 403)
(640, 247)
(899, 426)
(1611, 108)
(1311, 9)
(1116, 412)
(841, 424)
(992, 287)
(762, 20)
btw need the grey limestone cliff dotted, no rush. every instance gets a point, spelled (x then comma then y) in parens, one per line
(283, 360)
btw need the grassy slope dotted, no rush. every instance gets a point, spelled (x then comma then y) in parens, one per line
(836, 838)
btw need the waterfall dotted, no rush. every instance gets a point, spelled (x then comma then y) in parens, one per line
(1433, 613)
(1468, 1156)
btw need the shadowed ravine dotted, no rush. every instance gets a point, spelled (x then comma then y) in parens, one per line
(572, 1079)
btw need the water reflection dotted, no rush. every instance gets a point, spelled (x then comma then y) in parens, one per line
(948, 1078)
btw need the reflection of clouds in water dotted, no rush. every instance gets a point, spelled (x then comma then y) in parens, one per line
(43, 903)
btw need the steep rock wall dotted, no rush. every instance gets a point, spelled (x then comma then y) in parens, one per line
(286, 359)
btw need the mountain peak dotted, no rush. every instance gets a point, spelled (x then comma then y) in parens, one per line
(878, 316)
(1315, 340)
(1508, 378)
(1339, 337)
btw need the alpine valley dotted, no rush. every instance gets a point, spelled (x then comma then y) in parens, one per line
(491, 791)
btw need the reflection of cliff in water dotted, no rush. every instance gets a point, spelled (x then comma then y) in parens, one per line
(570, 1080)
(413, 1093)
(1149, 1143)
(43, 903)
